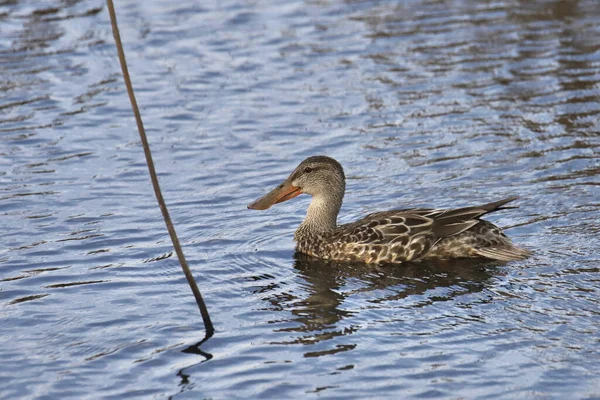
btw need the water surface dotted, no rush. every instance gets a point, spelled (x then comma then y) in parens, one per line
(425, 103)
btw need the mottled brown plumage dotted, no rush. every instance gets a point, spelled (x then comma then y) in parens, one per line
(389, 236)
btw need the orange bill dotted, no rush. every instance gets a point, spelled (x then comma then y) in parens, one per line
(281, 193)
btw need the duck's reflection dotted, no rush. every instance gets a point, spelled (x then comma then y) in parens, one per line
(320, 313)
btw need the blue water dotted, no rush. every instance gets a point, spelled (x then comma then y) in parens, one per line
(425, 103)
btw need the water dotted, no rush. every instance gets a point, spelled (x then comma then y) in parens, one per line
(425, 103)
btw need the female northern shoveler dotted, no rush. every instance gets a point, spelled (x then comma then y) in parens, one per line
(389, 236)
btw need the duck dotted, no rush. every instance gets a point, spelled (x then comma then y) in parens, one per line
(386, 237)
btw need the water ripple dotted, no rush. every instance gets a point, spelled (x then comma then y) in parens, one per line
(425, 103)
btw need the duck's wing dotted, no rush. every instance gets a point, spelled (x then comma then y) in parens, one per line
(453, 222)
(388, 227)
(428, 226)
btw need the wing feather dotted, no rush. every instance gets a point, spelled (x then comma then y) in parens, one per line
(396, 225)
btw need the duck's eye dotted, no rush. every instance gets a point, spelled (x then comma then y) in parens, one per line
(307, 170)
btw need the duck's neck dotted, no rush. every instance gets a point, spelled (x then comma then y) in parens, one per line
(321, 216)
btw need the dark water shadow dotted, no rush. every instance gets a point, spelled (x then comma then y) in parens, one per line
(184, 377)
(328, 284)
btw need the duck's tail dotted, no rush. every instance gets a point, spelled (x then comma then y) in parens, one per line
(508, 253)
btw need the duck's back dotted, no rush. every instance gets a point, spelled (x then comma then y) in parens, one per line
(418, 234)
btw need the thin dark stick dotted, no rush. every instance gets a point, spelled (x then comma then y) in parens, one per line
(161, 202)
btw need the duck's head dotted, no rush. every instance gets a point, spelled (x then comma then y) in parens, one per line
(319, 176)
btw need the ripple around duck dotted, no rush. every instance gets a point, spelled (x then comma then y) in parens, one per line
(424, 104)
